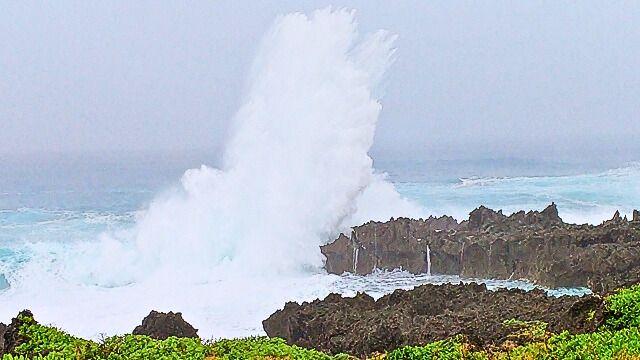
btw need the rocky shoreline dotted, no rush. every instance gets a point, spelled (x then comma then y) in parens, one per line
(361, 325)
(534, 246)
(537, 246)
(429, 320)
(486, 320)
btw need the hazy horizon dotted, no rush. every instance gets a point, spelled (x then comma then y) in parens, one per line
(540, 80)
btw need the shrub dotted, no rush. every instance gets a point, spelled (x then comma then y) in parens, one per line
(134, 347)
(50, 343)
(263, 347)
(599, 345)
(623, 308)
(450, 349)
(602, 345)
(527, 331)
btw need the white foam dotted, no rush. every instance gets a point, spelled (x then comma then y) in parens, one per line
(231, 245)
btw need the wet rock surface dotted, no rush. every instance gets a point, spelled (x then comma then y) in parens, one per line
(361, 326)
(535, 245)
(160, 326)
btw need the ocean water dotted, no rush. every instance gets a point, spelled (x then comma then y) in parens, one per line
(43, 223)
(93, 243)
(584, 193)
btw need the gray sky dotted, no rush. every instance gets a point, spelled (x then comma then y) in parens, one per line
(473, 79)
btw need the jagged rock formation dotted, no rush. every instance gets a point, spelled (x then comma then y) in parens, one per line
(361, 326)
(537, 246)
(160, 326)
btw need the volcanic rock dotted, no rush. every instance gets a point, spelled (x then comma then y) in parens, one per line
(483, 216)
(536, 245)
(160, 326)
(616, 219)
(3, 330)
(11, 337)
(361, 326)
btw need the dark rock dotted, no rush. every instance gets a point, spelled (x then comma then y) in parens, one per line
(399, 243)
(3, 330)
(163, 325)
(537, 246)
(636, 216)
(339, 252)
(483, 216)
(550, 214)
(615, 220)
(361, 326)
(11, 337)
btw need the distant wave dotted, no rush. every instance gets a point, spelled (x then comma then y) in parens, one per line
(29, 217)
(632, 169)
(479, 181)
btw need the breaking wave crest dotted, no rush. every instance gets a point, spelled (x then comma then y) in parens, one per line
(296, 172)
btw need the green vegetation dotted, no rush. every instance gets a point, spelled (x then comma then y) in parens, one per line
(602, 345)
(450, 349)
(599, 345)
(617, 339)
(263, 347)
(49, 343)
(623, 308)
(527, 331)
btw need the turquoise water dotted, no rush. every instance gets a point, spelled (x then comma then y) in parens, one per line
(581, 198)
(54, 217)
(76, 201)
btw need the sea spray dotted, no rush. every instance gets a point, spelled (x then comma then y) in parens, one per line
(296, 164)
(231, 245)
(211, 254)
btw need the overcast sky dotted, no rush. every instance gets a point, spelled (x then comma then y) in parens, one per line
(473, 79)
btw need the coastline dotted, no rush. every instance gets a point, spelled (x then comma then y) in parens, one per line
(466, 316)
